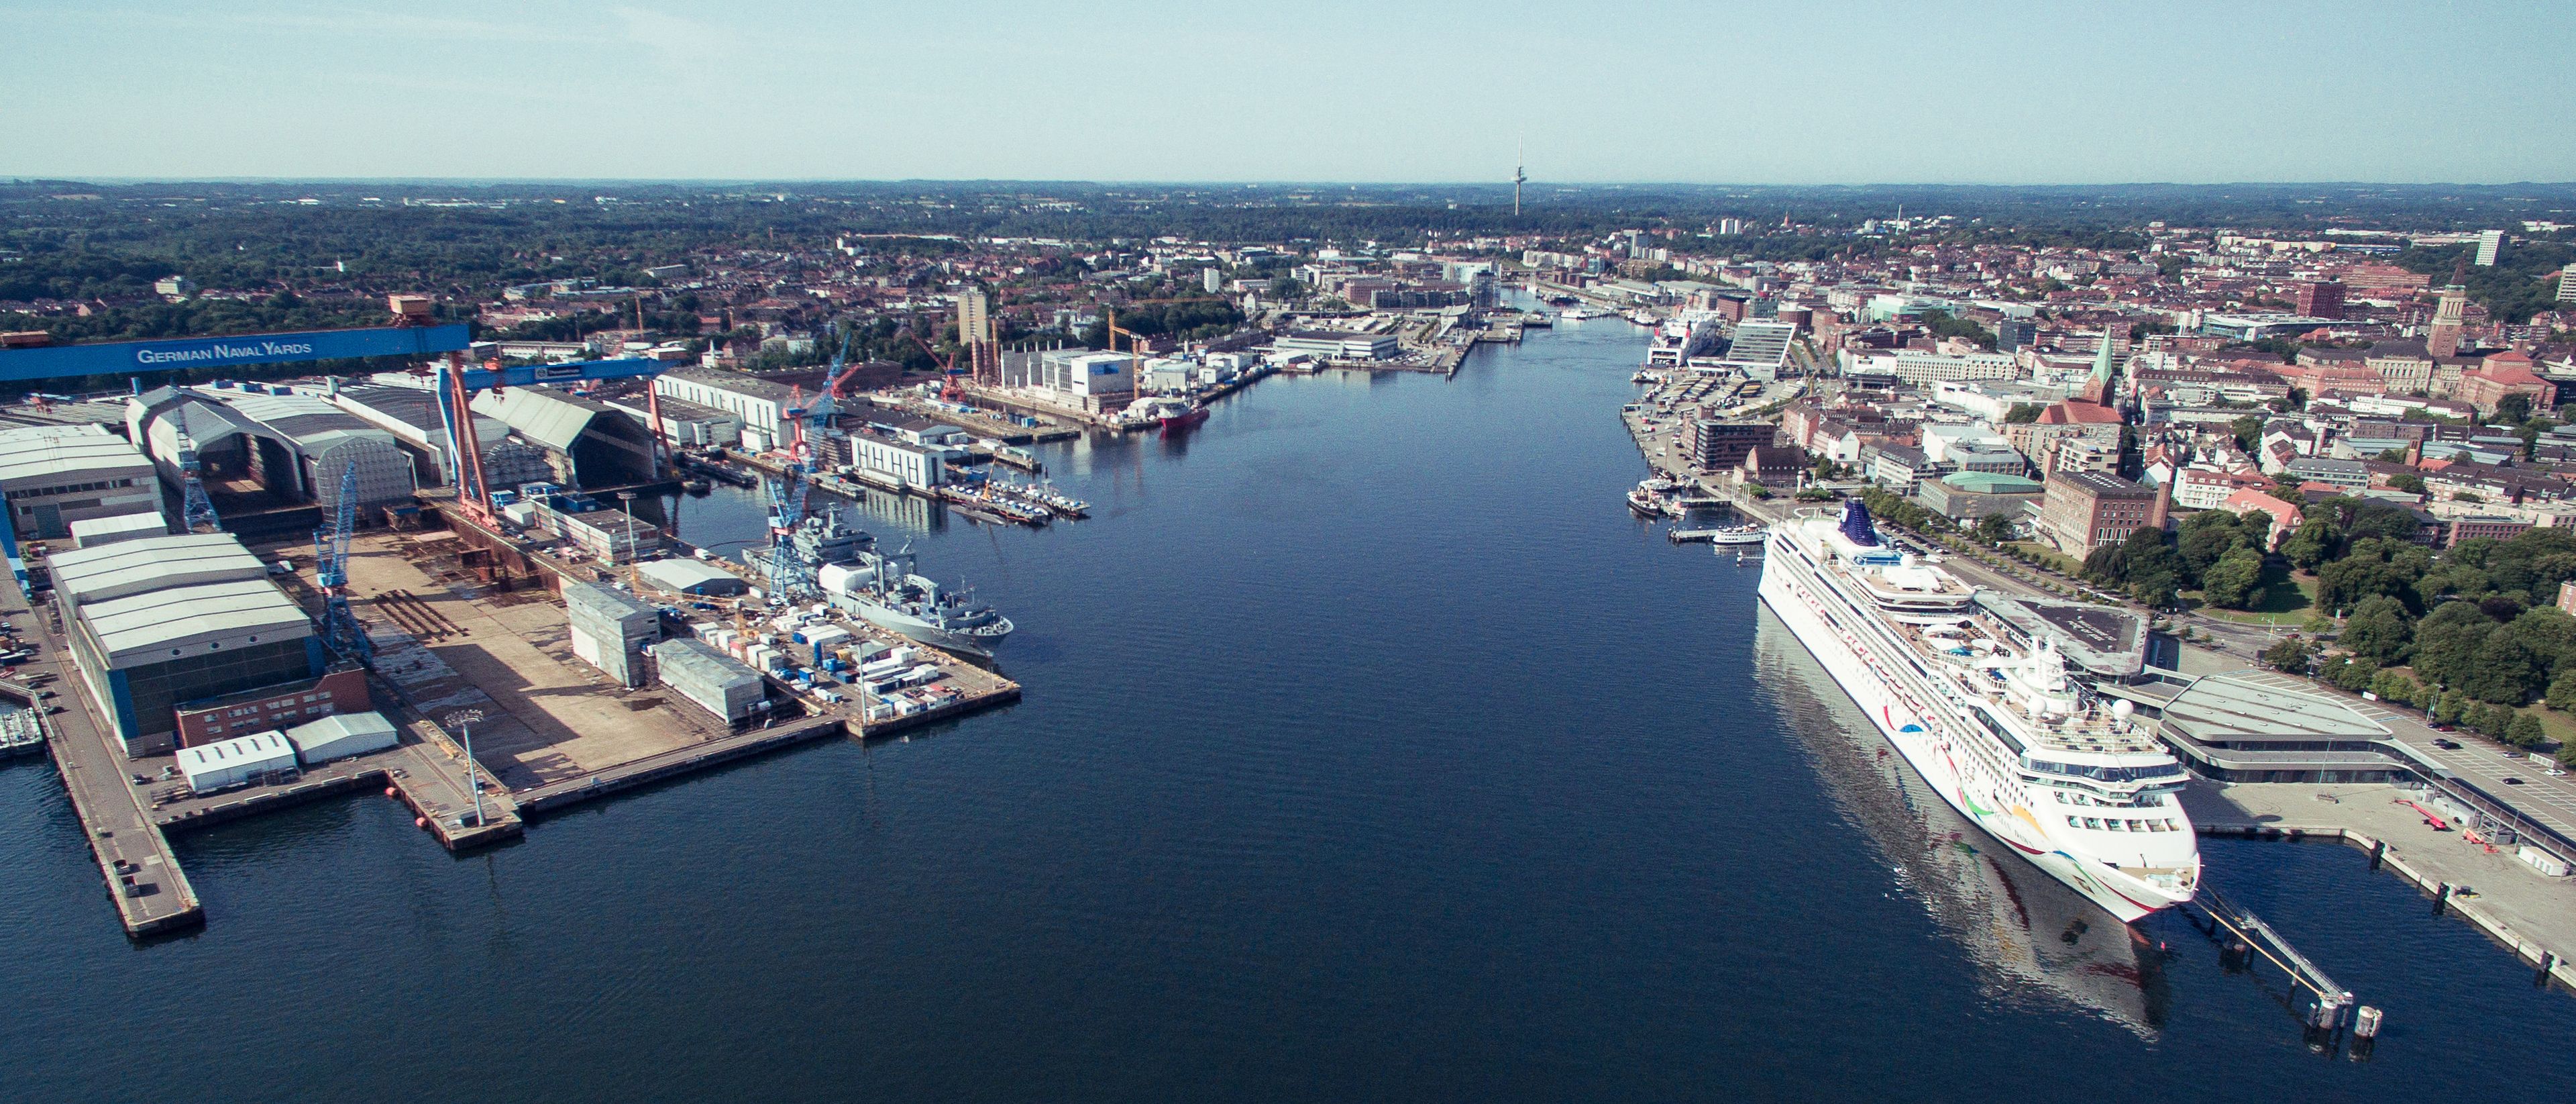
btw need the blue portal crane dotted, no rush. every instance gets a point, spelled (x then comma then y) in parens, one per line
(340, 628)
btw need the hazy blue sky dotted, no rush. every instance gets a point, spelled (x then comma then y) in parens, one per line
(1781, 91)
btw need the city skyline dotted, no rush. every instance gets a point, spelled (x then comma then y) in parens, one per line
(1634, 93)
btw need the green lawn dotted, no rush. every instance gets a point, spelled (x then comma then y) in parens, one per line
(2050, 557)
(2286, 601)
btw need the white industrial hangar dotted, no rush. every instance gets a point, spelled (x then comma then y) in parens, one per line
(296, 447)
(54, 476)
(411, 414)
(159, 621)
(599, 447)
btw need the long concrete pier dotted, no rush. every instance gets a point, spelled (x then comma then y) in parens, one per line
(151, 892)
(556, 796)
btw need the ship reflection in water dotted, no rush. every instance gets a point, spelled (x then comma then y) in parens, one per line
(2032, 936)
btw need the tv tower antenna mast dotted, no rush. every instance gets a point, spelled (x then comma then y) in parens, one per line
(1520, 161)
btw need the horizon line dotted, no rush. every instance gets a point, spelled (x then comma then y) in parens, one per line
(35, 178)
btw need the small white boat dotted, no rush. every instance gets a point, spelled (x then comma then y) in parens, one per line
(1739, 535)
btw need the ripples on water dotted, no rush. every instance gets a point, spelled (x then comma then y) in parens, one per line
(1371, 750)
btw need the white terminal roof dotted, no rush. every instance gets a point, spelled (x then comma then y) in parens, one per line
(36, 456)
(152, 563)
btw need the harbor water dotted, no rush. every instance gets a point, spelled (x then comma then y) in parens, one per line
(1371, 750)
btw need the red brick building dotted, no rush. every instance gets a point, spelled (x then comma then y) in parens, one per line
(2083, 511)
(282, 706)
(2318, 298)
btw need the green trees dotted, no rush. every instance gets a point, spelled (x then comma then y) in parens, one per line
(2236, 580)
(2248, 429)
(2022, 414)
(2561, 695)
(2505, 669)
(2204, 537)
(2351, 673)
(2525, 570)
(1943, 325)
(2317, 540)
(2461, 646)
(1994, 528)
(2289, 655)
(2446, 642)
(2373, 567)
(1903, 512)
(2155, 565)
(2378, 630)
(2525, 732)
(2160, 590)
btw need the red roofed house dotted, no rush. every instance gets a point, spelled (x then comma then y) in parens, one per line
(2505, 373)
(2072, 412)
(2203, 489)
(2285, 517)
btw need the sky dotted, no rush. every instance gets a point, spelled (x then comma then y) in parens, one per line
(1775, 92)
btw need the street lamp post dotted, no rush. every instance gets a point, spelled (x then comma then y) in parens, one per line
(627, 504)
(463, 721)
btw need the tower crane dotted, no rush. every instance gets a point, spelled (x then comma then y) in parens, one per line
(949, 390)
(340, 628)
(789, 576)
(841, 370)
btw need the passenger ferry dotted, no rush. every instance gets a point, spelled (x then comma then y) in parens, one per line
(2024, 752)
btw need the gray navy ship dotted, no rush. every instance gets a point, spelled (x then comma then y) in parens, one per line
(887, 589)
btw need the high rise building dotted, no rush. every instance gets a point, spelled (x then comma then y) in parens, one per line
(2444, 338)
(2490, 243)
(1211, 280)
(2320, 298)
(975, 332)
(2567, 284)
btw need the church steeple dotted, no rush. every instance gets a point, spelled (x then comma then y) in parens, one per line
(2098, 389)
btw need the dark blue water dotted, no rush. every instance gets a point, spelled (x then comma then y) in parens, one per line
(1370, 751)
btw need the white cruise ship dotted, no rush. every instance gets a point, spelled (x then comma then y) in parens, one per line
(1998, 729)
